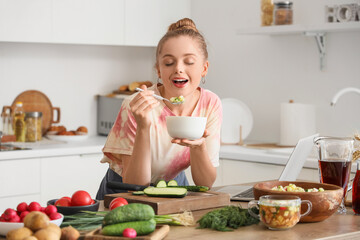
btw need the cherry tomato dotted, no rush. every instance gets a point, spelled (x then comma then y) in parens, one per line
(81, 198)
(117, 202)
(63, 202)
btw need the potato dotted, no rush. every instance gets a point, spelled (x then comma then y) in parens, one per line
(30, 238)
(19, 233)
(36, 220)
(55, 228)
(69, 233)
(46, 234)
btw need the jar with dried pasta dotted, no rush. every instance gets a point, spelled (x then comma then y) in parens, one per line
(33, 126)
(267, 8)
(283, 13)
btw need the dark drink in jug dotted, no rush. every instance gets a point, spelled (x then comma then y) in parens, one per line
(356, 193)
(335, 172)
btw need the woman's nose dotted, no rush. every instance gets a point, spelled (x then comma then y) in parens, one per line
(179, 68)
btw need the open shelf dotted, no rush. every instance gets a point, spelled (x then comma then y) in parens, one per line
(301, 29)
(317, 31)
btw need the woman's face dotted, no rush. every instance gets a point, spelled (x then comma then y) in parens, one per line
(181, 65)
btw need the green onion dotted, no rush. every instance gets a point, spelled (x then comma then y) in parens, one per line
(87, 220)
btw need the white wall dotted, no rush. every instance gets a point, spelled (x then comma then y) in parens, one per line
(264, 71)
(71, 75)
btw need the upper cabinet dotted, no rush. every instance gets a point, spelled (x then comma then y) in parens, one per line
(147, 21)
(89, 21)
(100, 22)
(25, 20)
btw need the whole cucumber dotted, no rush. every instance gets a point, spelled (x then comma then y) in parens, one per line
(141, 228)
(129, 213)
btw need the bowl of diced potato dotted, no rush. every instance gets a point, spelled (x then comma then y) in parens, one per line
(325, 198)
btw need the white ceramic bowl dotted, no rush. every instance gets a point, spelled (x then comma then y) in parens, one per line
(7, 226)
(186, 127)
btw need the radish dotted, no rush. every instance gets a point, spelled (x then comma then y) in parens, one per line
(129, 232)
(9, 214)
(50, 209)
(23, 215)
(21, 207)
(55, 215)
(34, 206)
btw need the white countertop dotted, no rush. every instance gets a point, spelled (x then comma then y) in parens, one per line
(47, 148)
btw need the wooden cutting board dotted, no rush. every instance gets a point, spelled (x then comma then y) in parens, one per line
(36, 101)
(192, 201)
(159, 233)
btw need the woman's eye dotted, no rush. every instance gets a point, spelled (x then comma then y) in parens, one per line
(189, 63)
(168, 64)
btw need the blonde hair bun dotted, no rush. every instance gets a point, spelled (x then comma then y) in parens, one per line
(182, 24)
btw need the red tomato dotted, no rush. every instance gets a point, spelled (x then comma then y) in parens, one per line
(81, 198)
(69, 198)
(63, 202)
(117, 202)
(23, 215)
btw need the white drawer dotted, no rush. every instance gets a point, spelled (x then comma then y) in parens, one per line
(19, 177)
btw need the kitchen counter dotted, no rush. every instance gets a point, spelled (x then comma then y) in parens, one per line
(94, 144)
(47, 148)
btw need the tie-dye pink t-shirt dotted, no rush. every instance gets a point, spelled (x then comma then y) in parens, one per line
(167, 159)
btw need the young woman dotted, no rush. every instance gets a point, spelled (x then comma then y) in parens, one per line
(139, 149)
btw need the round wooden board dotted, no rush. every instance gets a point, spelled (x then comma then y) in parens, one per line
(36, 101)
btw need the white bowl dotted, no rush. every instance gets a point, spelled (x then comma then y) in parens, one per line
(7, 226)
(186, 127)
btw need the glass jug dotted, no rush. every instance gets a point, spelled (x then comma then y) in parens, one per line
(335, 155)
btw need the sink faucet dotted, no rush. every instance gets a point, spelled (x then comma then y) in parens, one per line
(342, 92)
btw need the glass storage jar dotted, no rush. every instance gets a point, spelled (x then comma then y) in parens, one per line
(283, 13)
(267, 8)
(33, 126)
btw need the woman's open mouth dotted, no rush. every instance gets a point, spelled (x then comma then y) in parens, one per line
(180, 82)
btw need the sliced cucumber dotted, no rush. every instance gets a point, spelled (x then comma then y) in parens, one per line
(138, 193)
(172, 183)
(194, 188)
(171, 192)
(161, 184)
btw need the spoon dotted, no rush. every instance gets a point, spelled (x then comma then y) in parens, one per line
(159, 97)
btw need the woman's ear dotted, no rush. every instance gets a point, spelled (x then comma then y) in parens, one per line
(158, 71)
(205, 69)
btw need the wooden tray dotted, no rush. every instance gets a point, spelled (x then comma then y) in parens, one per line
(159, 233)
(192, 201)
(35, 101)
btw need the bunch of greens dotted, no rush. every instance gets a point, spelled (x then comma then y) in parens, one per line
(228, 218)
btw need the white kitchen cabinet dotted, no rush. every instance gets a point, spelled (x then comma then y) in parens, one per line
(42, 179)
(62, 176)
(89, 21)
(106, 22)
(25, 20)
(147, 21)
(19, 177)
